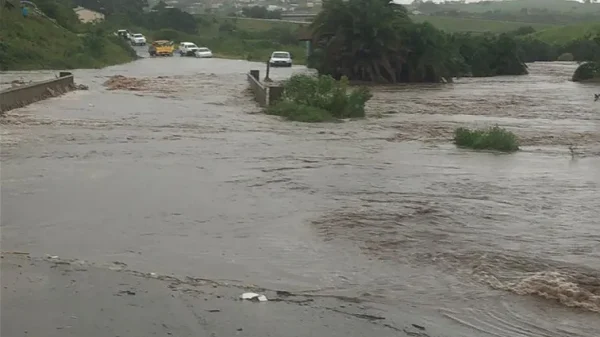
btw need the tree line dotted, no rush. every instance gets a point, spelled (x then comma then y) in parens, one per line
(586, 48)
(260, 12)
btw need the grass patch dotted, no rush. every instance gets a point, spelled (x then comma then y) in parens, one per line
(495, 138)
(312, 99)
(36, 43)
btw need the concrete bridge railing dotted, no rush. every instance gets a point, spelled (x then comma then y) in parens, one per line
(23, 95)
(264, 94)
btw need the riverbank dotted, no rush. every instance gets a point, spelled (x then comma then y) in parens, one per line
(56, 297)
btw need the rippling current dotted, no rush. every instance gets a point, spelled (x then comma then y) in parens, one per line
(184, 175)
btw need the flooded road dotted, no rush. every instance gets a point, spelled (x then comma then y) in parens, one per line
(187, 177)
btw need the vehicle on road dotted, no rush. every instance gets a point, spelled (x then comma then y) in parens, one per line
(281, 59)
(187, 49)
(138, 39)
(161, 48)
(203, 52)
(124, 34)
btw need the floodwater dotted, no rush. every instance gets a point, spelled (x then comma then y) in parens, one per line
(185, 176)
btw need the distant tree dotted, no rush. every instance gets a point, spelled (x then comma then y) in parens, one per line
(525, 30)
(260, 12)
(169, 18)
(429, 7)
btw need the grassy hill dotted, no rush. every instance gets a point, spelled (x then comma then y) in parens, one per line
(565, 6)
(446, 23)
(454, 25)
(37, 43)
(256, 25)
(563, 34)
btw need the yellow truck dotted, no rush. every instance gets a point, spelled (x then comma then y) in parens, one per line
(161, 48)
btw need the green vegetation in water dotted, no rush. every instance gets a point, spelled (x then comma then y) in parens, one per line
(495, 138)
(36, 42)
(490, 55)
(587, 72)
(308, 98)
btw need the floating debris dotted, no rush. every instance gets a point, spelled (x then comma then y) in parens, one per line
(254, 297)
(120, 82)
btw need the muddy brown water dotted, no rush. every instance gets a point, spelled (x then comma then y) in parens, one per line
(187, 177)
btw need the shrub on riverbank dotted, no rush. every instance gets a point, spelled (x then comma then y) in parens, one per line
(495, 138)
(310, 98)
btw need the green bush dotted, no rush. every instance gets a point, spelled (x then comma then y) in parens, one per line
(587, 71)
(94, 42)
(300, 112)
(495, 138)
(308, 98)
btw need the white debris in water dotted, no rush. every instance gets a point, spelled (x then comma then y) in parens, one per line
(254, 297)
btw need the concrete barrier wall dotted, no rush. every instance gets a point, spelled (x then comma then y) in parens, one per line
(265, 95)
(26, 94)
(259, 90)
(275, 93)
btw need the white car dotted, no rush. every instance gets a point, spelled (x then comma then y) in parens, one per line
(187, 49)
(138, 40)
(203, 52)
(281, 59)
(123, 33)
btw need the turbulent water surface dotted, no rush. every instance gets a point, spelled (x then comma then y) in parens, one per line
(184, 175)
